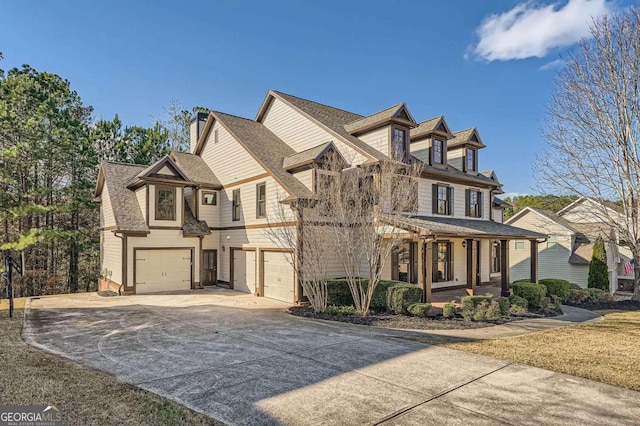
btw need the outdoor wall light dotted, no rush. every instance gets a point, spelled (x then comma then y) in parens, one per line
(223, 247)
(464, 243)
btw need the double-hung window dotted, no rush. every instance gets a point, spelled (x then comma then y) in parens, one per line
(398, 144)
(474, 203)
(442, 200)
(442, 255)
(438, 151)
(165, 203)
(261, 200)
(471, 160)
(235, 205)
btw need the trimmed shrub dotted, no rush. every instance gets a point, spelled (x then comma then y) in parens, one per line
(517, 310)
(419, 309)
(379, 299)
(557, 303)
(401, 296)
(470, 306)
(518, 301)
(341, 310)
(573, 286)
(598, 269)
(598, 296)
(504, 304)
(523, 280)
(474, 301)
(480, 311)
(533, 293)
(338, 293)
(578, 297)
(556, 287)
(493, 310)
(449, 310)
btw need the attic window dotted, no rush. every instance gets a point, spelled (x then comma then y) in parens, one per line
(398, 143)
(471, 160)
(165, 203)
(438, 151)
(209, 198)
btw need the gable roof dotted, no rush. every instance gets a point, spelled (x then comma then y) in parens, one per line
(193, 226)
(497, 202)
(154, 168)
(468, 136)
(330, 118)
(196, 170)
(265, 147)
(124, 203)
(433, 125)
(608, 204)
(397, 112)
(309, 156)
(547, 214)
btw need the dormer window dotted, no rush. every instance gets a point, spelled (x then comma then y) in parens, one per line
(438, 151)
(398, 143)
(472, 157)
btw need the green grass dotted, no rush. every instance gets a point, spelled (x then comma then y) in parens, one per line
(30, 376)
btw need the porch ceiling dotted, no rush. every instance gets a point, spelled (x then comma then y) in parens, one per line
(461, 228)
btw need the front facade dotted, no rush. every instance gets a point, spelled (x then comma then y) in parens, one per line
(203, 217)
(571, 234)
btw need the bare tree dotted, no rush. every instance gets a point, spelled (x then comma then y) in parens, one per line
(307, 238)
(593, 129)
(358, 207)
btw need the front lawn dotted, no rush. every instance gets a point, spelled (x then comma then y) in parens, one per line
(606, 351)
(29, 376)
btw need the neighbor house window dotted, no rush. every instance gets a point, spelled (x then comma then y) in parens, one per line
(474, 203)
(471, 160)
(520, 245)
(442, 199)
(261, 200)
(442, 256)
(398, 143)
(235, 205)
(495, 256)
(552, 242)
(438, 151)
(210, 198)
(165, 203)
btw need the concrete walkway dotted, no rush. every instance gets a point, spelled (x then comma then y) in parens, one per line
(245, 361)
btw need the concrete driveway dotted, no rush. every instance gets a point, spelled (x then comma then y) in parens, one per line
(243, 360)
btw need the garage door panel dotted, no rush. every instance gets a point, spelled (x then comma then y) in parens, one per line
(162, 270)
(244, 271)
(278, 276)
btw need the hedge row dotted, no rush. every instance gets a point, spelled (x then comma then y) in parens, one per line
(391, 296)
(556, 287)
(533, 293)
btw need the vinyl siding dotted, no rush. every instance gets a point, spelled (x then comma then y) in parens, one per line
(111, 255)
(159, 238)
(141, 195)
(106, 209)
(456, 158)
(497, 215)
(228, 159)
(152, 208)
(306, 177)
(552, 262)
(300, 133)
(420, 149)
(210, 214)
(378, 139)
(425, 196)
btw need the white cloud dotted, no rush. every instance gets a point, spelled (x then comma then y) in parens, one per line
(533, 30)
(553, 65)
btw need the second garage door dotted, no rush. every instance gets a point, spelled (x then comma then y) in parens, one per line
(162, 270)
(278, 276)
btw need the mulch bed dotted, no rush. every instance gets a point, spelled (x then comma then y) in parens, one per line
(385, 320)
(107, 293)
(622, 305)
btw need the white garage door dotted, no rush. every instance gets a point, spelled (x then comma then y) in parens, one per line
(278, 276)
(244, 271)
(162, 270)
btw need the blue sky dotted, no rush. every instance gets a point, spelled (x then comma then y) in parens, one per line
(489, 64)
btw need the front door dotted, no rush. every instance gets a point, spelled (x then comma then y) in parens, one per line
(209, 267)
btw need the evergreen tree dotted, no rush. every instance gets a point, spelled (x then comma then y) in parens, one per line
(598, 270)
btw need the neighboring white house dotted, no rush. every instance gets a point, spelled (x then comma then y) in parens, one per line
(200, 218)
(567, 252)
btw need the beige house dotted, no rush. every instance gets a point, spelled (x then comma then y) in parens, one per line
(568, 249)
(200, 218)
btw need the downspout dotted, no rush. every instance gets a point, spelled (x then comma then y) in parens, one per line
(123, 268)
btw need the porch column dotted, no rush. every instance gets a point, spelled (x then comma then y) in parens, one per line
(425, 266)
(534, 261)
(471, 279)
(504, 268)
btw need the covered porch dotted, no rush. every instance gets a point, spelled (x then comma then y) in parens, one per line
(443, 254)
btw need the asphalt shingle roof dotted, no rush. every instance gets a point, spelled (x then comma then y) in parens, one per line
(305, 156)
(463, 137)
(447, 226)
(125, 205)
(192, 226)
(378, 117)
(195, 168)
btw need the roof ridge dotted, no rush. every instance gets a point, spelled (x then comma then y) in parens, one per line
(234, 116)
(122, 163)
(465, 130)
(324, 105)
(377, 112)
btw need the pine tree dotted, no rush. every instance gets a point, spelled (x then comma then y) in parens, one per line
(598, 270)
